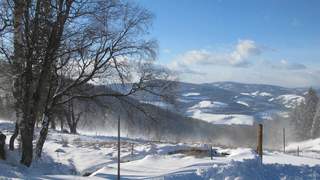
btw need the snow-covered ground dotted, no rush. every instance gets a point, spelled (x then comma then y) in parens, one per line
(290, 100)
(191, 94)
(72, 156)
(243, 103)
(257, 93)
(198, 111)
(222, 118)
(208, 104)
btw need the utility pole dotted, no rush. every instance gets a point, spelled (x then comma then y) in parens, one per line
(284, 140)
(118, 148)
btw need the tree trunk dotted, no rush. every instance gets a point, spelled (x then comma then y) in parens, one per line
(14, 136)
(23, 83)
(73, 128)
(53, 124)
(72, 121)
(27, 126)
(34, 89)
(2, 144)
(61, 124)
(27, 146)
(43, 134)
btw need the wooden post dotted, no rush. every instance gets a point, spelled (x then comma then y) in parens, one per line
(298, 151)
(132, 149)
(118, 148)
(2, 144)
(260, 141)
(284, 140)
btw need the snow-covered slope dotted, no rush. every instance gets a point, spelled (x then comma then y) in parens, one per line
(245, 102)
(209, 104)
(223, 118)
(94, 157)
(290, 100)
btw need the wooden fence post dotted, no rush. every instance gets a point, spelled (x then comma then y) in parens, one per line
(260, 141)
(284, 140)
(118, 148)
(132, 150)
(2, 144)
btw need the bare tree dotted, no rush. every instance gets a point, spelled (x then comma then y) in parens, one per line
(59, 47)
(73, 115)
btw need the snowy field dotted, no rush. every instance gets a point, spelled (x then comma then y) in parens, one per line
(94, 157)
(198, 111)
(257, 93)
(237, 119)
(208, 104)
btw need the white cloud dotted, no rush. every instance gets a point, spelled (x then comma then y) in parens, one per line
(257, 73)
(239, 57)
(183, 69)
(285, 65)
(244, 50)
(204, 66)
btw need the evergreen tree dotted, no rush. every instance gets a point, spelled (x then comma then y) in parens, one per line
(315, 131)
(297, 119)
(303, 116)
(311, 103)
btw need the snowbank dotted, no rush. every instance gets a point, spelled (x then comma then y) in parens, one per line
(253, 170)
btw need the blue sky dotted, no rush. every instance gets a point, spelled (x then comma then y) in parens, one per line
(253, 41)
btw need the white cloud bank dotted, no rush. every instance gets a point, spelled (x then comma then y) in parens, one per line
(244, 63)
(239, 57)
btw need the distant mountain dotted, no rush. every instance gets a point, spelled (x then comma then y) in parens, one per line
(233, 103)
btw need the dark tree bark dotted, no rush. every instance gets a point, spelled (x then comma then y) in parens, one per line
(26, 140)
(53, 124)
(72, 123)
(73, 129)
(72, 117)
(14, 136)
(61, 124)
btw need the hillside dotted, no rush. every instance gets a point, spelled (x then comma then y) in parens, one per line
(233, 103)
(202, 112)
